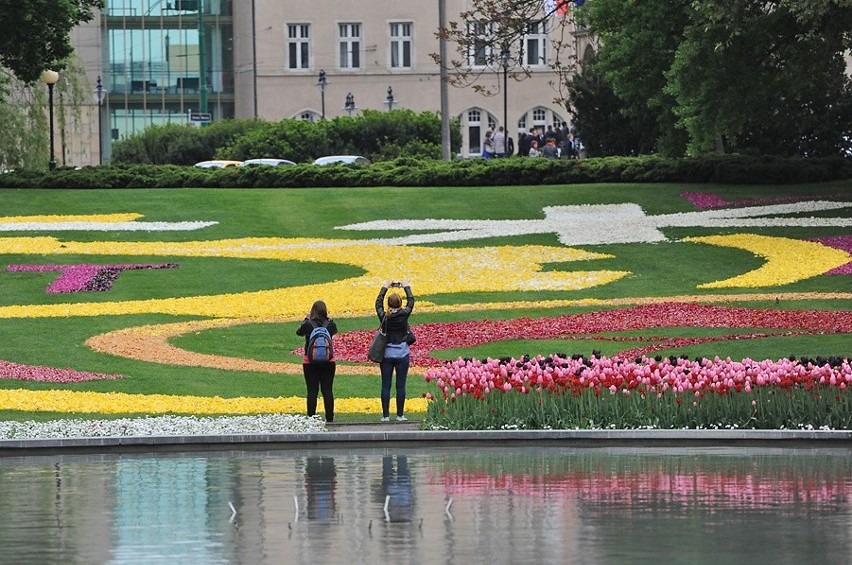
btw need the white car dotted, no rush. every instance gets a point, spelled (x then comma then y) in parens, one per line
(344, 159)
(217, 164)
(268, 162)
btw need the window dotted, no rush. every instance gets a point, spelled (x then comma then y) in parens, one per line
(535, 44)
(349, 42)
(400, 45)
(298, 45)
(474, 132)
(479, 50)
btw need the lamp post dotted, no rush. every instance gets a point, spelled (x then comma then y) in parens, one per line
(50, 78)
(202, 68)
(349, 106)
(321, 82)
(504, 60)
(100, 96)
(390, 100)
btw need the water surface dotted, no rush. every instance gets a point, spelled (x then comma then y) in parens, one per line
(467, 505)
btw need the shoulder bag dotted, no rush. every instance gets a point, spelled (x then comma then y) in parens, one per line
(377, 347)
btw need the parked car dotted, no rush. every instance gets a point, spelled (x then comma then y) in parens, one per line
(344, 159)
(268, 162)
(217, 164)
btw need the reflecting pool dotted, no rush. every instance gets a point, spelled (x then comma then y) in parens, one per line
(541, 504)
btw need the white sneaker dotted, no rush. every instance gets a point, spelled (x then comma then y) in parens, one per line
(385, 419)
(401, 419)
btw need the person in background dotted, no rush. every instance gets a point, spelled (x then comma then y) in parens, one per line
(533, 152)
(550, 151)
(318, 375)
(395, 323)
(569, 148)
(500, 142)
(488, 144)
(524, 143)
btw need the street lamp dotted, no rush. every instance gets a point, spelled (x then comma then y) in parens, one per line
(321, 82)
(50, 78)
(389, 100)
(100, 95)
(349, 106)
(504, 60)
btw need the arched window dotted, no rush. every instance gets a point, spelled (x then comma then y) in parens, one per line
(474, 122)
(308, 116)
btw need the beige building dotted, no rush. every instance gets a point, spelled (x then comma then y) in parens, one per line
(165, 61)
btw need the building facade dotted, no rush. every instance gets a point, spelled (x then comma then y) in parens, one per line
(190, 61)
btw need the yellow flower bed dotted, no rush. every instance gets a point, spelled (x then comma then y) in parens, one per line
(55, 218)
(71, 402)
(787, 260)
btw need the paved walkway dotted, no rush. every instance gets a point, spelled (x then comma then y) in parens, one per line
(392, 426)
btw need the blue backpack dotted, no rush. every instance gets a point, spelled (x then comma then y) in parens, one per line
(319, 348)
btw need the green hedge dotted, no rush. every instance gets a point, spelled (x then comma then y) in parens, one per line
(410, 171)
(380, 136)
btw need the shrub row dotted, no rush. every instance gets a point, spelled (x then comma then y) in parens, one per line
(377, 135)
(410, 171)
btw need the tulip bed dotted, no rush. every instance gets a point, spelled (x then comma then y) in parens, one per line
(672, 392)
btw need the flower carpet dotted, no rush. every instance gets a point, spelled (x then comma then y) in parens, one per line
(578, 252)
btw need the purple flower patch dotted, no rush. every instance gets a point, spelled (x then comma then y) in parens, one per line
(86, 277)
(842, 242)
(10, 370)
(712, 200)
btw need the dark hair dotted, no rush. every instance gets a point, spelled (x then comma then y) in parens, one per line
(394, 300)
(319, 311)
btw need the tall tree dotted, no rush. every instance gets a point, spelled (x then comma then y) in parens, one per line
(765, 76)
(35, 35)
(607, 125)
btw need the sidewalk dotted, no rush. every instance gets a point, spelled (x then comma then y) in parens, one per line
(392, 426)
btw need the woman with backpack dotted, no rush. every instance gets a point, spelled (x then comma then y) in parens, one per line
(318, 363)
(394, 323)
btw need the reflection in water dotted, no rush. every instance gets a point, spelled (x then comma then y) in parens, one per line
(507, 505)
(395, 489)
(147, 494)
(320, 482)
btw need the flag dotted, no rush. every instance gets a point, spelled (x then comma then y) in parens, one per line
(556, 7)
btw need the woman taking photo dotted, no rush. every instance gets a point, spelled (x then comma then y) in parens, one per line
(319, 372)
(394, 322)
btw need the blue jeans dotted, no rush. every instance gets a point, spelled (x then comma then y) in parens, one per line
(387, 366)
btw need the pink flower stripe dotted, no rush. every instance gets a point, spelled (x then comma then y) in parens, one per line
(712, 200)
(737, 489)
(842, 242)
(86, 277)
(643, 376)
(10, 370)
(352, 346)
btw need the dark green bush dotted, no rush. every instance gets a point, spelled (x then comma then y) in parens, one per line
(174, 144)
(379, 136)
(410, 171)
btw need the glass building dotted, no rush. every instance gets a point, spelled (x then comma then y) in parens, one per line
(166, 61)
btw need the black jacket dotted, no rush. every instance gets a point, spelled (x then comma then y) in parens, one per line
(306, 328)
(397, 320)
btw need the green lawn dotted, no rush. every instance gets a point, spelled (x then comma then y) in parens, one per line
(668, 268)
